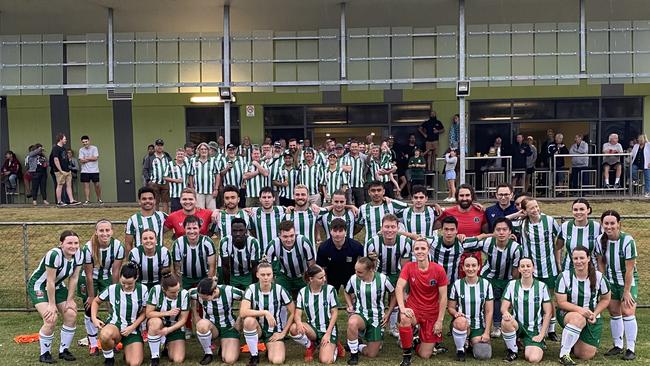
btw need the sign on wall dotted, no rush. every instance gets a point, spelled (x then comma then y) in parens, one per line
(250, 111)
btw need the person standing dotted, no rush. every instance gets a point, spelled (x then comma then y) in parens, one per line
(520, 153)
(530, 162)
(312, 176)
(175, 220)
(232, 171)
(354, 163)
(454, 132)
(640, 159)
(431, 130)
(578, 163)
(338, 254)
(37, 166)
(286, 180)
(88, 157)
(503, 207)
(146, 218)
(372, 213)
(557, 147)
(154, 171)
(178, 175)
(256, 176)
(60, 164)
(205, 170)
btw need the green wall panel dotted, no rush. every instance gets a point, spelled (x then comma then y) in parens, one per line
(641, 43)
(568, 42)
(328, 48)
(241, 50)
(10, 55)
(285, 50)
(211, 71)
(189, 50)
(357, 47)
(477, 44)
(545, 43)
(262, 50)
(446, 44)
(252, 126)
(620, 42)
(379, 47)
(597, 41)
(96, 53)
(145, 55)
(167, 51)
(124, 50)
(53, 53)
(402, 46)
(499, 45)
(76, 53)
(307, 71)
(523, 43)
(31, 54)
(424, 46)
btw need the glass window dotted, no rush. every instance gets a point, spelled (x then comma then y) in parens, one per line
(626, 131)
(209, 116)
(374, 114)
(578, 108)
(410, 113)
(490, 111)
(283, 116)
(285, 133)
(327, 115)
(622, 108)
(533, 109)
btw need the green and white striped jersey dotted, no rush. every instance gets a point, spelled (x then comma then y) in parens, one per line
(526, 304)
(334, 180)
(358, 165)
(420, 223)
(265, 224)
(317, 306)
(245, 152)
(500, 261)
(389, 256)
(446, 256)
(125, 306)
(138, 223)
(471, 298)
(373, 167)
(370, 296)
(275, 165)
(305, 222)
(579, 236)
(224, 226)
(370, 216)
(234, 176)
(294, 261)
(253, 185)
(578, 292)
(615, 255)
(219, 310)
(205, 174)
(348, 217)
(162, 303)
(54, 258)
(175, 171)
(193, 258)
(538, 242)
(158, 166)
(274, 301)
(242, 259)
(114, 251)
(151, 266)
(385, 163)
(290, 176)
(311, 176)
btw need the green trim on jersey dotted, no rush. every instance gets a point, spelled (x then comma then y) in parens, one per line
(616, 253)
(194, 259)
(219, 311)
(162, 303)
(150, 267)
(138, 223)
(125, 306)
(242, 259)
(205, 174)
(471, 299)
(107, 256)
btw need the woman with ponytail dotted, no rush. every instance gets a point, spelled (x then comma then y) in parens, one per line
(579, 232)
(616, 253)
(127, 300)
(168, 308)
(151, 258)
(218, 321)
(582, 295)
(102, 256)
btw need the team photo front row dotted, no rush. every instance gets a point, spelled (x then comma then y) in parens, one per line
(517, 282)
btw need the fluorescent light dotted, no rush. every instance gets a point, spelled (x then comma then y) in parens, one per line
(328, 135)
(498, 118)
(409, 120)
(372, 133)
(209, 99)
(335, 122)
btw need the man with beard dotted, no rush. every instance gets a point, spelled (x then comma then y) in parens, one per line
(240, 253)
(189, 208)
(335, 178)
(372, 213)
(354, 164)
(311, 176)
(304, 215)
(339, 210)
(256, 176)
(146, 218)
(154, 169)
(471, 219)
(293, 150)
(286, 180)
(245, 150)
(338, 254)
(223, 218)
(232, 169)
(265, 220)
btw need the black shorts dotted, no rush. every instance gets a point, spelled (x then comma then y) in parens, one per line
(613, 165)
(90, 177)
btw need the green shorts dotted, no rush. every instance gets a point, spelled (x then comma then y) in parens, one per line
(393, 278)
(290, 284)
(496, 283)
(176, 335)
(220, 275)
(134, 338)
(189, 283)
(319, 335)
(276, 267)
(476, 332)
(527, 338)
(229, 332)
(39, 296)
(590, 334)
(617, 291)
(149, 286)
(98, 285)
(241, 282)
(372, 333)
(550, 284)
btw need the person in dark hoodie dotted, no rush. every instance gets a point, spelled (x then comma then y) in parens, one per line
(520, 153)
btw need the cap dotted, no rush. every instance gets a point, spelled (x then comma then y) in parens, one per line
(339, 146)
(213, 145)
(417, 149)
(277, 144)
(230, 146)
(159, 142)
(309, 149)
(331, 154)
(391, 137)
(287, 153)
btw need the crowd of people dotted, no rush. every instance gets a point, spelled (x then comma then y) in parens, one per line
(291, 265)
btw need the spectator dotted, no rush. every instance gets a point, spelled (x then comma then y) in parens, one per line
(431, 130)
(454, 132)
(37, 166)
(150, 151)
(27, 175)
(557, 147)
(530, 161)
(178, 176)
(641, 161)
(520, 153)
(221, 144)
(189, 148)
(450, 174)
(498, 150)
(543, 153)
(354, 165)
(268, 140)
(154, 171)
(416, 167)
(578, 163)
(61, 167)
(11, 172)
(245, 149)
(612, 147)
(74, 168)
(404, 153)
(88, 156)
(338, 254)
(504, 206)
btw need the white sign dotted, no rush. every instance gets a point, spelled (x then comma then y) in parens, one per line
(250, 111)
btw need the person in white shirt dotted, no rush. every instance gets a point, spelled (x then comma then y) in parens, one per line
(88, 157)
(612, 147)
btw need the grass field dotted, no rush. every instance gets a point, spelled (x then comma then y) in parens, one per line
(41, 238)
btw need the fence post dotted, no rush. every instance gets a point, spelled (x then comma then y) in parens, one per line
(26, 262)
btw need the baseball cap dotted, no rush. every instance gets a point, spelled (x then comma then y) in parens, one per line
(331, 154)
(159, 142)
(213, 145)
(230, 146)
(287, 153)
(277, 144)
(339, 146)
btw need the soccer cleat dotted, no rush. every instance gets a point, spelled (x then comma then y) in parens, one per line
(86, 203)
(495, 333)
(155, 361)
(207, 358)
(109, 361)
(416, 335)
(566, 360)
(629, 355)
(406, 360)
(253, 361)
(614, 351)
(61, 204)
(552, 336)
(460, 356)
(100, 202)
(94, 351)
(309, 353)
(354, 359)
(66, 355)
(510, 356)
(394, 331)
(440, 348)
(46, 358)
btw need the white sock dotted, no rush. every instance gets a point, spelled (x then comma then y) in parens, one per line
(206, 341)
(45, 341)
(251, 340)
(617, 180)
(154, 346)
(551, 325)
(67, 333)
(570, 336)
(363, 345)
(511, 340)
(302, 340)
(393, 318)
(91, 331)
(616, 325)
(460, 336)
(108, 354)
(354, 345)
(631, 330)
(606, 181)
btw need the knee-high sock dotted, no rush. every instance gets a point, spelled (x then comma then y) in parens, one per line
(302, 340)
(460, 336)
(154, 346)
(251, 341)
(406, 337)
(393, 318)
(570, 336)
(108, 354)
(551, 325)
(631, 330)
(511, 340)
(354, 345)
(91, 331)
(45, 341)
(616, 325)
(206, 341)
(67, 334)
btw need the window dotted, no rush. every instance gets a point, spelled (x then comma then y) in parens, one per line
(283, 116)
(622, 108)
(209, 116)
(409, 113)
(327, 115)
(578, 108)
(490, 111)
(533, 109)
(373, 114)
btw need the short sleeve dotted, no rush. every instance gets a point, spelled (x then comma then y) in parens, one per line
(349, 287)
(408, 249)
(237, 294)
(560, 285)
(388, 285)
(404, 273)
(169, 223)
(285, 299)
(87, 255)
(399, 206)
(224, 247)
(270, 250)
(193, 294)
(248, 295)
(153, 297)
(119, 253)
(300, 299)
(166, 257)
(603, 286)
(104, 295)
(546, 297)
(630, 249)
(598, 251)
(368, 248)
(453, 294)
(185, 300)
(489, 292)
(516, 256)
(176, 251)
(561, 234)
(256, 254)
(210, 246)
(133, 257)
(508, 294)
(332, 297)
(556, 227)
(308, 249)
(442, 276)
(53, 259)
(130, 227)
(472, 244)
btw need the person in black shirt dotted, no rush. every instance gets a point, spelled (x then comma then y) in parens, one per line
(60, 166)
(431, 130)
(338, 254)
(557, 147)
